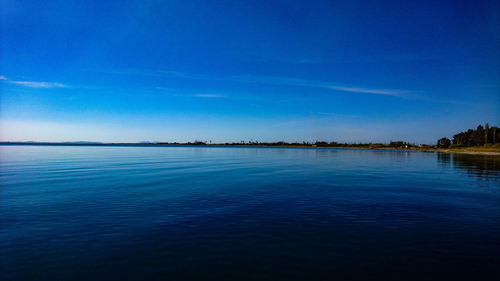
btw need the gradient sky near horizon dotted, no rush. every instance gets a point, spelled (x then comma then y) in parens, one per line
(131, 71)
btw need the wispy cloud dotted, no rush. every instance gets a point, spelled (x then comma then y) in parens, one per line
(333, 114)
(274, 80)
(34, 84)
(286, 81)
(212, 96)
(391, 92)
(189, 94)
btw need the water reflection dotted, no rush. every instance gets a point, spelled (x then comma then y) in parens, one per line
(444, 159)
(482, 166)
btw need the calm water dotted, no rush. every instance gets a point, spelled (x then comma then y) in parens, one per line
(184, 213)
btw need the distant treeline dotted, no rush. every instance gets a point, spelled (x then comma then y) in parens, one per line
(487, 137)
(392, 144)
(481, 136)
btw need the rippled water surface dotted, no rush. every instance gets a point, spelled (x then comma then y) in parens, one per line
(184, 213)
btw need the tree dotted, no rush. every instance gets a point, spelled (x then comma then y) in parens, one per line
(443, 143)
(460, 139)
(478, 136)
(486, 129)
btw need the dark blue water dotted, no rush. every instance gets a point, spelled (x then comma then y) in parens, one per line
(186, 213)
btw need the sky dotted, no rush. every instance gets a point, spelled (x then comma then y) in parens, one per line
(224, 71)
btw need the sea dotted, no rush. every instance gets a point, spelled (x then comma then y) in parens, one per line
(146, 212)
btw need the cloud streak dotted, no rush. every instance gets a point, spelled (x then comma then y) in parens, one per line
(386, 92)
(286, 81)
(273, 80)
(34, 84)
(212, 96)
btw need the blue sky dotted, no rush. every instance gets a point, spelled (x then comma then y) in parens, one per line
(127, 71)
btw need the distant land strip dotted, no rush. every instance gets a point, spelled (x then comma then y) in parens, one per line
(482, 140)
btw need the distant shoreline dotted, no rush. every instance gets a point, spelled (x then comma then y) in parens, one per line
(464, 150)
